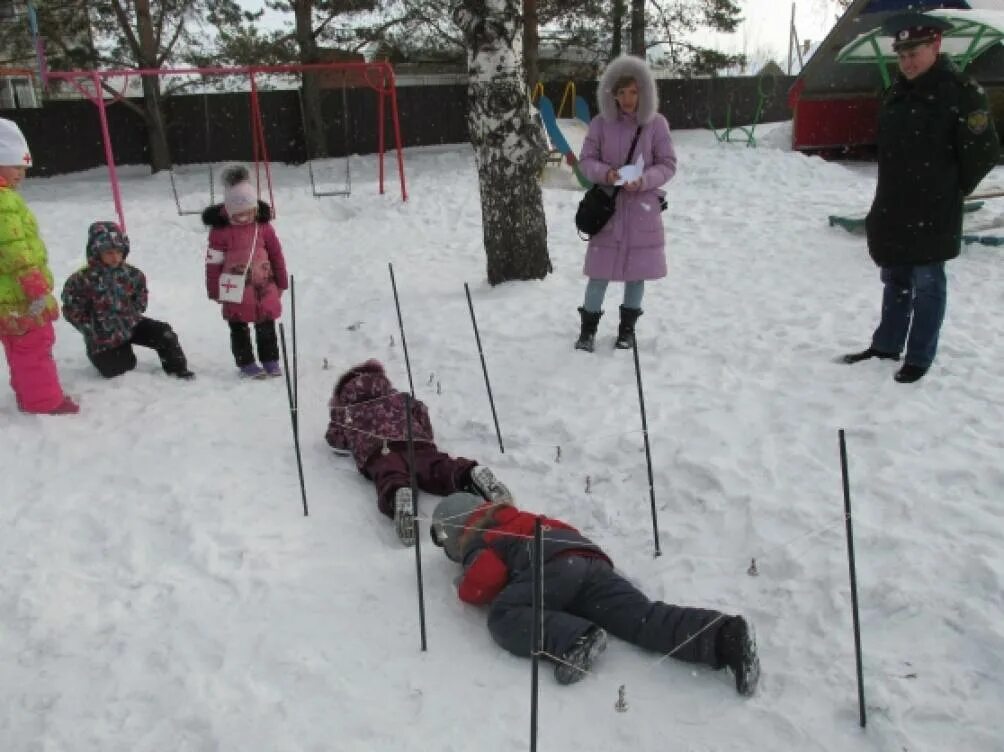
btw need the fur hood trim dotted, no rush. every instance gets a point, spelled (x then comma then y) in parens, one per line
(216, 215)
(648, 94)
(370, 366)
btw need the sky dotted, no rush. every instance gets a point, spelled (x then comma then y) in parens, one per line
(765, 31)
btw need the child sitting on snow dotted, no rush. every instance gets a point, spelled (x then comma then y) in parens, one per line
(583, 596)
(369, 419)
(246, 272)
(105, 302)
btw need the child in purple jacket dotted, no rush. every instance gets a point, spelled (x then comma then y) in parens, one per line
(369, 420)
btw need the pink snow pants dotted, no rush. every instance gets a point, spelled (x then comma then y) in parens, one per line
(33, 374)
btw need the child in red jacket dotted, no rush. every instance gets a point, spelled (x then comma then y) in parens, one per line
(369, 420)
(245, 258)
(584, 597)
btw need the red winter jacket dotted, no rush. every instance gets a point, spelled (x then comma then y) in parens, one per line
(496, 554)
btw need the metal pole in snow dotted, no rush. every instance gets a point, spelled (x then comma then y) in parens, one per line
(408, 402)
(400, 324)
(854, 580)
(293, 418)
(537, 636)
(484, 368)
(648, 449)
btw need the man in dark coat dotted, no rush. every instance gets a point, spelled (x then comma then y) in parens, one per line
(936, 142)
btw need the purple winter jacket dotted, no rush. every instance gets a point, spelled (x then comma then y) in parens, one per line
(632, 245)
(366, 409)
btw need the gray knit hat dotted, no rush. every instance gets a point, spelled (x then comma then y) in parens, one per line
(448, 521)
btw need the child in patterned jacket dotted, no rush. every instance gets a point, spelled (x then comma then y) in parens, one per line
(246, 272)
(105, 301)
(369, 420)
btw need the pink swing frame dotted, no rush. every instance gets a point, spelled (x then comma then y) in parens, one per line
(379, 76)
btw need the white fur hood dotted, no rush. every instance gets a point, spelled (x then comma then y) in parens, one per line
(648, 95)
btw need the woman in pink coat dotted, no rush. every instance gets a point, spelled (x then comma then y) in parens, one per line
(243, 242)
(631, 248)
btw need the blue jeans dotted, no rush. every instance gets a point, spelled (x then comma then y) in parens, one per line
(596, 290)
(914, 295)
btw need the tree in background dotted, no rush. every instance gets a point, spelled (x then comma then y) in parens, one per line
(132, 34)
(310, 26)
(509, 146)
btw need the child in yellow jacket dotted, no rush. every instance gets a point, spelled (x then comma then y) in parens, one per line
(27, 307)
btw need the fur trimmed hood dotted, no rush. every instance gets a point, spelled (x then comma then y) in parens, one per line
(648, 94)
(216, 215)
(371, 366)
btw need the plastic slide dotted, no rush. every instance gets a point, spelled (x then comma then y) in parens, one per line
(558, 140)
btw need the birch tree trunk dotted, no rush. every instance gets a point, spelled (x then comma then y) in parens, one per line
(509, 145)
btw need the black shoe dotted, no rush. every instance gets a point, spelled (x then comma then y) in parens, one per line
(185, 375)
(587, 333)
(910, 373)
(578, 659)
(735, 646)
(871, 352)
(625, 330)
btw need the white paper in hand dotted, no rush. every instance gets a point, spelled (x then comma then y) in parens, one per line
(632, 172)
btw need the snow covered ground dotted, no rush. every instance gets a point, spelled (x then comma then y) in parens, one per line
(160, 588)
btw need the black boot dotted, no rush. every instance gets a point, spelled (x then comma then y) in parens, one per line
(910, 373)
(625, 330)
(587, 334)
(735, 646)
(172, 357)
(871, 352)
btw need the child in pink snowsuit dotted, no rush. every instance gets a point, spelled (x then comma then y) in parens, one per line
(27, 307)
(242, 242)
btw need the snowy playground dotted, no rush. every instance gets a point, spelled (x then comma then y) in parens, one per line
(160, 588)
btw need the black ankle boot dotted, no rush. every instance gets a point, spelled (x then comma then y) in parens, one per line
(587, 334)
(910, 373)
(871, 352)
(625, 330)
(735, 648)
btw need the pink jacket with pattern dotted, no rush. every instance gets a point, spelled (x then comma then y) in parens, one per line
(366, 409)
(230, 249)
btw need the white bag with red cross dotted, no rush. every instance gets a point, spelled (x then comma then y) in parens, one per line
(231, 284)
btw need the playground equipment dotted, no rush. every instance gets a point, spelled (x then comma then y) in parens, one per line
(748, 132)
(971, 235)
(212, 178)
(559, 130)
(346, 187)
(378, 76)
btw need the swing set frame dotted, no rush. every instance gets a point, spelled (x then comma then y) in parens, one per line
(379, 76)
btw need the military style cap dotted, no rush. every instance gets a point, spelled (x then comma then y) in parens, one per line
(913, 29)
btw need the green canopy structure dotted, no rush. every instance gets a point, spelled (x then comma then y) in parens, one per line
(973, 32)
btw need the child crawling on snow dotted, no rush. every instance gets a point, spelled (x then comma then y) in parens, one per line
(369, 420)
(584, 597)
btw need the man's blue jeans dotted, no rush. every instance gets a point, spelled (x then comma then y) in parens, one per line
(913, 302)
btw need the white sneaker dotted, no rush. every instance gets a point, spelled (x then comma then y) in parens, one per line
(489, 486)
(404, 516)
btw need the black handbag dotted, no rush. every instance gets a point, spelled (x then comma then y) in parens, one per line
(598, 204)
